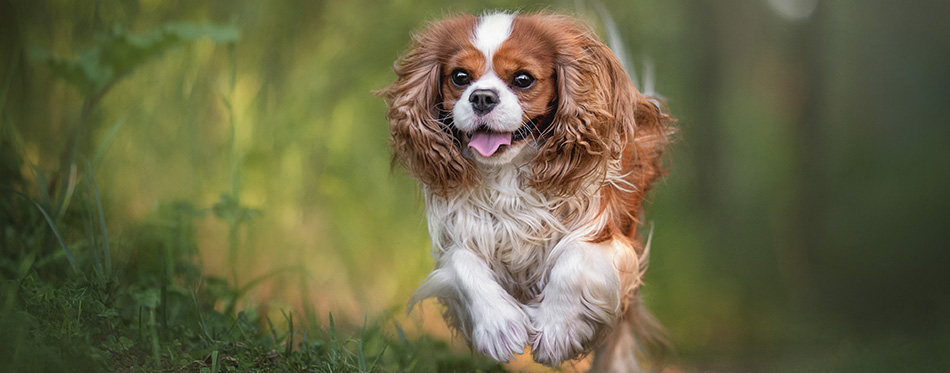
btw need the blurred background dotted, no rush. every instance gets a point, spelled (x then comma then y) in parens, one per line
(802, 226)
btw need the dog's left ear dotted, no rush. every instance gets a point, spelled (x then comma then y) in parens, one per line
(599, 115)
(595, 113)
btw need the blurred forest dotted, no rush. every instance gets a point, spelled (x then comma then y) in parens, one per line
(802, 227)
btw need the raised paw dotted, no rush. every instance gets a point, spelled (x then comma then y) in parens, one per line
(501, 333)
(559, 336)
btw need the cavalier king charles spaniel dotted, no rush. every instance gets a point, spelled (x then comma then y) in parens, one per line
(535, 152)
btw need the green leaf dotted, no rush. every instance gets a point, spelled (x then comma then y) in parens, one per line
(84, 72)
(126, 343)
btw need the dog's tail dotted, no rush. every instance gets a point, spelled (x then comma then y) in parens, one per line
(637, 344)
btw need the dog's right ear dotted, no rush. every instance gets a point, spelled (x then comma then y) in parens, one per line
(421, 141)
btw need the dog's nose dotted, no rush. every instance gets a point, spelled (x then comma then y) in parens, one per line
(483, 100)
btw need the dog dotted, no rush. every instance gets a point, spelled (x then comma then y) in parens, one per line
(535, 152)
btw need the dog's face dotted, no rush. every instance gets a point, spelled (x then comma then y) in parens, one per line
(499, 88)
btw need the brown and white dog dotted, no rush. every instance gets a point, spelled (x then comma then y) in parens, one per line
(535, 151)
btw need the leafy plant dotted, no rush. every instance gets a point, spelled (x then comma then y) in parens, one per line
(118, 52)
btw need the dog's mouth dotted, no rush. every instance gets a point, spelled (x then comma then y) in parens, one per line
(488, 142)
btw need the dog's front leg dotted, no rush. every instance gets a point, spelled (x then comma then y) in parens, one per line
(478, 306)
(581, 299)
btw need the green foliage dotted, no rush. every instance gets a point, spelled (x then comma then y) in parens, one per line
(119, 52)
(75, 299)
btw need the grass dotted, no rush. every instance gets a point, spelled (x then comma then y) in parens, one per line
(63, 309)
(74, 298)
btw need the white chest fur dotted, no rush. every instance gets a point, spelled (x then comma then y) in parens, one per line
(510, 226)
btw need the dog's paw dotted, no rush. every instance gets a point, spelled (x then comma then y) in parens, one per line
(501, 333)
(560, 335)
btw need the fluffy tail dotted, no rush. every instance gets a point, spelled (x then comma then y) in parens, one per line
(637, 344)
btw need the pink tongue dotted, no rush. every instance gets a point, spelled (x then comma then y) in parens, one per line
(487, 143)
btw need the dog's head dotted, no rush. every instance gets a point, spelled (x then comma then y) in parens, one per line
(538, 90)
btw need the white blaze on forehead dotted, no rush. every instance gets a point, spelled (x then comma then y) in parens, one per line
(492, 30)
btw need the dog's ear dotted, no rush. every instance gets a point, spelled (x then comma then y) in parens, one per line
(593, 116)
(599, 114)
(421, 141)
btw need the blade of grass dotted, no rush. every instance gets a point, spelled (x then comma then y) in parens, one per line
(41, 186)
(201, 319)
(92, 238)
(107, 139)
(107, 257)
(25, 265)
(361, 345)
(273, 331)
(52, 226)
(379, 357)
(66, 188)
(289, 316)
(214, 362)
(156, 351)
(333, 345)
(87, 224)
(71, 153)
(402, 335)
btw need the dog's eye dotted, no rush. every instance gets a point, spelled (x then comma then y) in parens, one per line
(522, 80)
(460, 78)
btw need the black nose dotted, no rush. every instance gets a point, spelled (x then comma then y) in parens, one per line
(483, 100)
